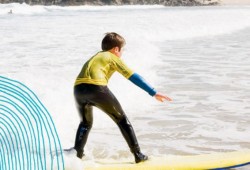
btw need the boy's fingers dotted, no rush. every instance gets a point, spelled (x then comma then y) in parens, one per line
(162, 99)
(167, 98)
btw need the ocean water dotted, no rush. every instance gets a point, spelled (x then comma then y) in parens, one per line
(198, 56)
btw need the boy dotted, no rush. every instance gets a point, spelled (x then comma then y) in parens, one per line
(91, 90)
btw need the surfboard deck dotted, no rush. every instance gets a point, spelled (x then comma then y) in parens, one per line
(195, 162)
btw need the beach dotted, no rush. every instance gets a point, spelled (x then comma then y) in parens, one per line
(234, 2)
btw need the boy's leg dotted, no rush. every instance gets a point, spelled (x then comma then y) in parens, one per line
(129, 135)
(86, 113)
(107, 102)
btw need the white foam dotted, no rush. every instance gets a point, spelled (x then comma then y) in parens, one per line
(22, 9)
(71, 162)
(26, 9)
(178, 23)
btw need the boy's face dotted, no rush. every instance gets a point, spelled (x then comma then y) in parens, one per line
(120, 52)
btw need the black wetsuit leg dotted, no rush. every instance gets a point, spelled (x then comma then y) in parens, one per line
(88, 95)
(86, 114)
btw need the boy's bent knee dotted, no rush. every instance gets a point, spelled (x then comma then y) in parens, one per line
(86, 125)
(124, 120)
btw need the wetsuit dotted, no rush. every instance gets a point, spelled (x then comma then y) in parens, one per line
(91, 90)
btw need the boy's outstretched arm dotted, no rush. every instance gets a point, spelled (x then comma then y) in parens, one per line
(140, 82)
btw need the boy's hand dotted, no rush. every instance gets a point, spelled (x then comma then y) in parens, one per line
(161, 97)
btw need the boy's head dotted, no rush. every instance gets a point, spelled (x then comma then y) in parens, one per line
(112, 40)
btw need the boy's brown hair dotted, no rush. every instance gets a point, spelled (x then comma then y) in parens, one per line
(112, 40)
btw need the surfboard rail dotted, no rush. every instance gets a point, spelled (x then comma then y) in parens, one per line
(213, 161)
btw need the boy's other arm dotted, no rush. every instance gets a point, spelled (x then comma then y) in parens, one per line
(140, 82)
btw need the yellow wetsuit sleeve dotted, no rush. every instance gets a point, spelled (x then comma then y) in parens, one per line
(121, 67)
